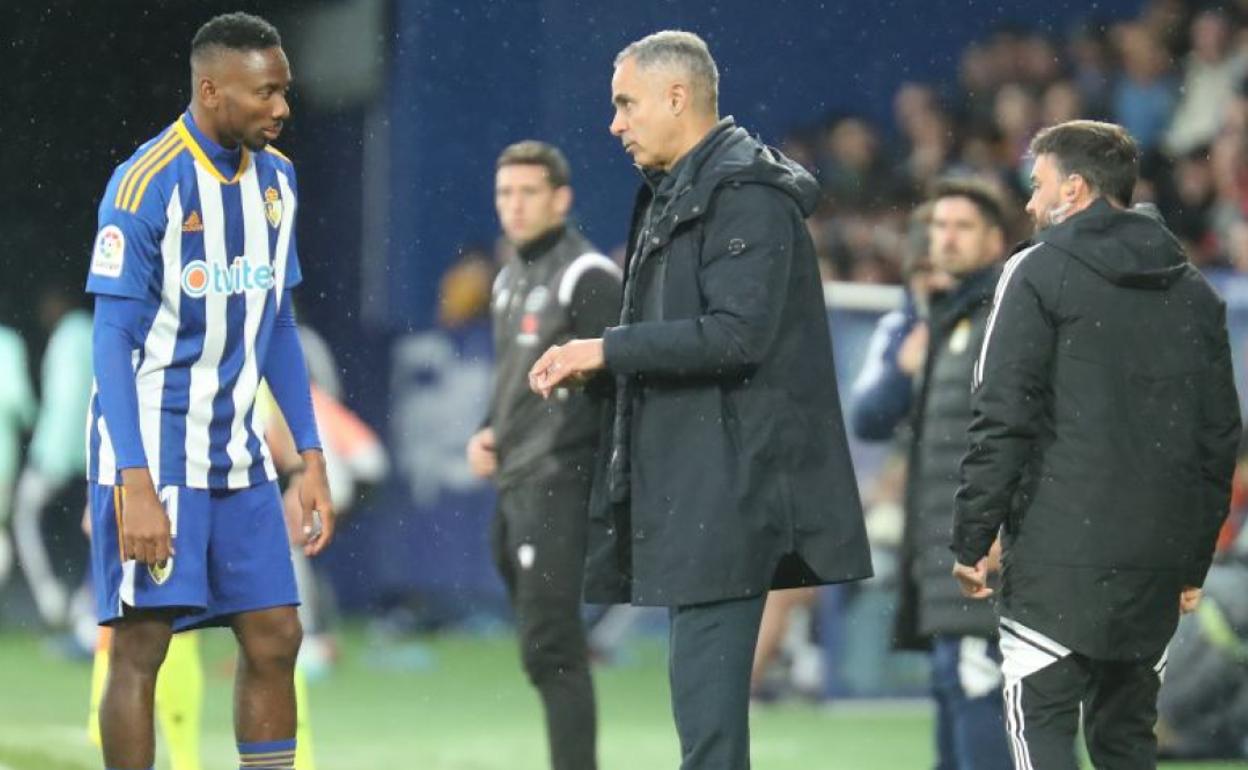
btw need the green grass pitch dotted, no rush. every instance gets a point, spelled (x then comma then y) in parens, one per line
(454, 703)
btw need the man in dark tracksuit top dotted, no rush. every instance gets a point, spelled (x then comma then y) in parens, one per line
(540, 452)
(726, 470)
(967, 242)
(1104, 439)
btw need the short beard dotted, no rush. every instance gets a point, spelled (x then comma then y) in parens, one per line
(1057, 215)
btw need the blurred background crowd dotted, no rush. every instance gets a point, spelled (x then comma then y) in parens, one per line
(1173, 75)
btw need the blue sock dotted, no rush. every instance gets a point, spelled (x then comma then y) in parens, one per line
(267, 755)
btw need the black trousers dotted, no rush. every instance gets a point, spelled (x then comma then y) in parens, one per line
(710, 656)
(1049, 689)
(538, 539)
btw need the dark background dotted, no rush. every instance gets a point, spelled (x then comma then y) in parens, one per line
(399, 111)
(437, 90)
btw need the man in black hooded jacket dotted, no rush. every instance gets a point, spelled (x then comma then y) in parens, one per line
(725, 470)
(1102, 447)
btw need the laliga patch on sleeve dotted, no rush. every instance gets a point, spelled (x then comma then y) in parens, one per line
(110, 252)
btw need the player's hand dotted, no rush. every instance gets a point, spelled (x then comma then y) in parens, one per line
(572, 362)
(318, 507)
(973, 580)
(145, 533)
(1189, 600)
(482, 455)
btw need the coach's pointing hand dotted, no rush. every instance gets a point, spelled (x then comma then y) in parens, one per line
(573, 361)
(318, 507)
(145, 531)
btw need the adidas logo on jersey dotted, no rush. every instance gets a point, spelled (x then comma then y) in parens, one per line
(193, 223)
(200, 278)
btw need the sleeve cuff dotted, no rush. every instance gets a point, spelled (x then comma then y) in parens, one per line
(125, 464)
(611, 347)
(309, 441)
(967, 554)
(109, 288)
(1195, 576)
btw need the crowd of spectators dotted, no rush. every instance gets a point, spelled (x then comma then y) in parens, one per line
(1174, 76)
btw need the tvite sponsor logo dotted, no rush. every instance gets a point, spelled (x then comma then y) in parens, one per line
(200, 278)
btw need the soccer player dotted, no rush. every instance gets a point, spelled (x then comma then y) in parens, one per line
(192, 268)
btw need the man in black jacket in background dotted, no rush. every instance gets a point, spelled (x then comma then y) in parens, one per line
(967, 241)
(726, 470)
(556, 288)
(1102, 448)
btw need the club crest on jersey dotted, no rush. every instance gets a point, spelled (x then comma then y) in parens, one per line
(161, 572)
(530, 324)
(273, 206)
(110, 252)
(536, 299)
(200, 278)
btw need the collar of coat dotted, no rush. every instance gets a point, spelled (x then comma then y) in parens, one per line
(726, 155)
(541, 245)
(973, 290)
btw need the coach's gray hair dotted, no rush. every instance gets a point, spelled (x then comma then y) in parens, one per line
(684, 51)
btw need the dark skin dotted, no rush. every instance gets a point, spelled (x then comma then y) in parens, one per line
(240, 96)
(138, 648)
(239, 99)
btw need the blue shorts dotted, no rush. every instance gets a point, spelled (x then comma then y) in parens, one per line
(232, 555)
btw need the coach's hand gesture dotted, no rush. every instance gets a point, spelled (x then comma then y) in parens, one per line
(573, 361)
(145, 532)
(318, 507)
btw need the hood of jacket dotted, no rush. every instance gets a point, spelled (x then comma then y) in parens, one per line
(1129, 248)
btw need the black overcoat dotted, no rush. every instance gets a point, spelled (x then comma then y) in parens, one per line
(724, 468)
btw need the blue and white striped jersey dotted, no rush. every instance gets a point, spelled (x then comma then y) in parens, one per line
(207, 236)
